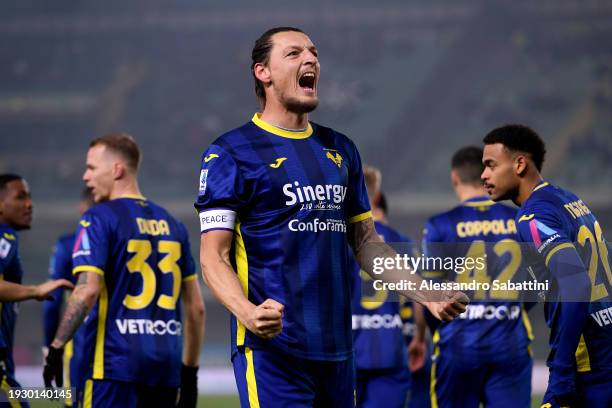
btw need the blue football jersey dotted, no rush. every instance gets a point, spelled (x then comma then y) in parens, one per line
(552, 219)
(476, 228)
(382, 321)
(134, 331)
(288, 197)
(10, 271)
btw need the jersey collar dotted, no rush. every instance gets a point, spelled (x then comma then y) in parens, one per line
(540, 185)
(478, 201)
(133, 196)
(281, 132)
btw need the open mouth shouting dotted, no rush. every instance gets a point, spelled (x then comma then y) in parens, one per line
(307, 82)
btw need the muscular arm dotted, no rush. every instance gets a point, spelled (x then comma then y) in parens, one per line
(193, 322)
(14, 292)
(265, 319)
(81, 301)
(367, 245)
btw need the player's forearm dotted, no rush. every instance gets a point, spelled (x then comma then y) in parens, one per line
(193, 332)
(368, 246)
(14, 292)
(79, 304)
(225, 286)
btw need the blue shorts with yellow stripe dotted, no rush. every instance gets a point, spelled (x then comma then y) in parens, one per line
(112, 394)
(459, 382)
(8, 383)
(270, 378)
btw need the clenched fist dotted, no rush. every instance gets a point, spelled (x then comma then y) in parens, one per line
(265, 320)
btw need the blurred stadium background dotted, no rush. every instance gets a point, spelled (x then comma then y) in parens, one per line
(409, 81)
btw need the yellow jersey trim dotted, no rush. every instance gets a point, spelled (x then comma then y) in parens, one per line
(87, 268)
(556, 249)
(540, 186)
(98, 366)
(134, 196)
(583, 362)
(478, 203)
(251, 381)
(242, 266)
(190, 278)
(360, 217)
(88, 394)
(281, 132)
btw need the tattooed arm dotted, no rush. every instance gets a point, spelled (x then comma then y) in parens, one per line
(367, 245)
(80, 303)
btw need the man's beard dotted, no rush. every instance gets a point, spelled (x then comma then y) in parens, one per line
(297, 106)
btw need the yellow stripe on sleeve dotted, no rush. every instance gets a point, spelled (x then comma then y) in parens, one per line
(360, 217)
(556, 249)
(251, 381)
(87, 268)
(190, 278)
(98, 367)
(242, 266)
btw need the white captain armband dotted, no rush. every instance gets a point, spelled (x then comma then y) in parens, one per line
(217, 219)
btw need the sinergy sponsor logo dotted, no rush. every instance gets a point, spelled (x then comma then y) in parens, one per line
(329, 192)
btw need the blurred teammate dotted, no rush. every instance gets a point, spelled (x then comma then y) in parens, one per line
(15, 215)
(61, 268)
(134, 265)
(379, 319)
(570, 244)
(482, 357)
(278, 199)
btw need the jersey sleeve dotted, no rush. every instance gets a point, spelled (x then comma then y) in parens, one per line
(188, 269)
(221, 191)
(357, 202)
(8, 250)
(9, 261)
(91, 246)
(542, 226)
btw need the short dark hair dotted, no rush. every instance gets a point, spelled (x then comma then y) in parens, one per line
(7, 178)
(467, 162)
(519, 138)
(261, 55)
(123, 144)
